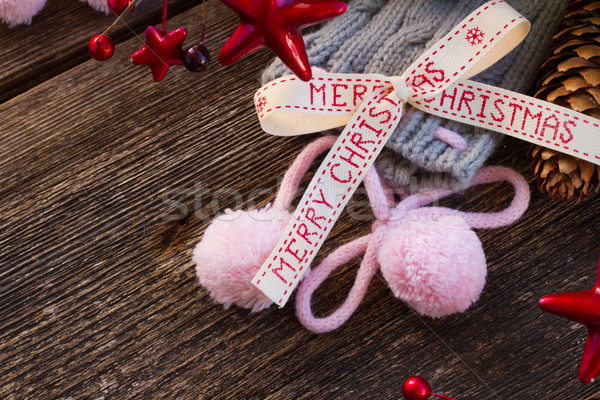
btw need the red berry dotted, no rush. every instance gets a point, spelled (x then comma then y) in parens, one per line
(118, 6)
(101, 47)
(416, 388)
(196, 58)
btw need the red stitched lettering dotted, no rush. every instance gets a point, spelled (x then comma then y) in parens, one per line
(336, 95)
(499, 119)
(334, 176)
(453, 97)
(363, 123)
(566, 126)
(424, 80)
(466, 100)
(282, 262)
(311, 215)
(359, 95)
(352, 154)
(435, 71)
(313, 90)
(385, 98)
(357, 140)
(485, 99)
(537, 116)
(322, 201)
(554, 126)
(294, 253)
(305, 233)
(514, 106)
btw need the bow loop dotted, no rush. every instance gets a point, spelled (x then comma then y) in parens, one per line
(477, 43)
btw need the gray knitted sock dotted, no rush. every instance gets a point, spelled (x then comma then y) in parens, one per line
(386, 36)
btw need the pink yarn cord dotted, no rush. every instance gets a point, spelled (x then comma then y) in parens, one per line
(302, 163)
(344, 254)
(510, 214)
(381, 196)
(382, 204)
(451, 138)
(477, 220)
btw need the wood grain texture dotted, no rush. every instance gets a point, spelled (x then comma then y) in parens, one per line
(108, 180)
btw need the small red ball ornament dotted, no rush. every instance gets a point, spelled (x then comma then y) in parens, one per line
(118, 6)
(101, 47)
(417, 388)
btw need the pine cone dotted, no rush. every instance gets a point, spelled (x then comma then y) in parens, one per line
(562, 176)
(571, 78)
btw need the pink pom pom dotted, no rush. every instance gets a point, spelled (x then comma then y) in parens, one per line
(232, 250)
(15, 12)
(436, 265)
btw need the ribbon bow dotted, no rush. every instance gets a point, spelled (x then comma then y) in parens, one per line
(371, 106)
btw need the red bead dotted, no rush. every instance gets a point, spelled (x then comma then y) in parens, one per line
(118, 6)
(416, 388)
(101, 47)
(196, 58)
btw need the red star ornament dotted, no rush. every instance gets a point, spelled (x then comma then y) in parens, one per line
(161, 51)
(582, 307)
(277, 24)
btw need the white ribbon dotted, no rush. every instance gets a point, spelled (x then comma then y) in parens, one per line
(370, 106)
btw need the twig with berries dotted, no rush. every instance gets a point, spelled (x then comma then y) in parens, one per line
(263, 23)
(102, 47)
(162, 49)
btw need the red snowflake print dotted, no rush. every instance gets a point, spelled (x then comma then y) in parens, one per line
(261, 103)
(474, 36)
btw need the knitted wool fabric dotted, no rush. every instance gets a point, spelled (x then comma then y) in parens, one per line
(379, 36)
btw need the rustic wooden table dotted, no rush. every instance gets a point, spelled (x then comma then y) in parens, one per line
(98, 295)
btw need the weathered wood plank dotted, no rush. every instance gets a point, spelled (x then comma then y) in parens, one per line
(97, 291)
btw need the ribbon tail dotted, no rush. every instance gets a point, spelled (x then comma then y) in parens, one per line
(517, 115)
(329, 191)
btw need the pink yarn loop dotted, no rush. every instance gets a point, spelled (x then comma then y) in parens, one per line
(385, 211)
(315, 278)
(510, 214)
(476, 220)
(451, 138)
